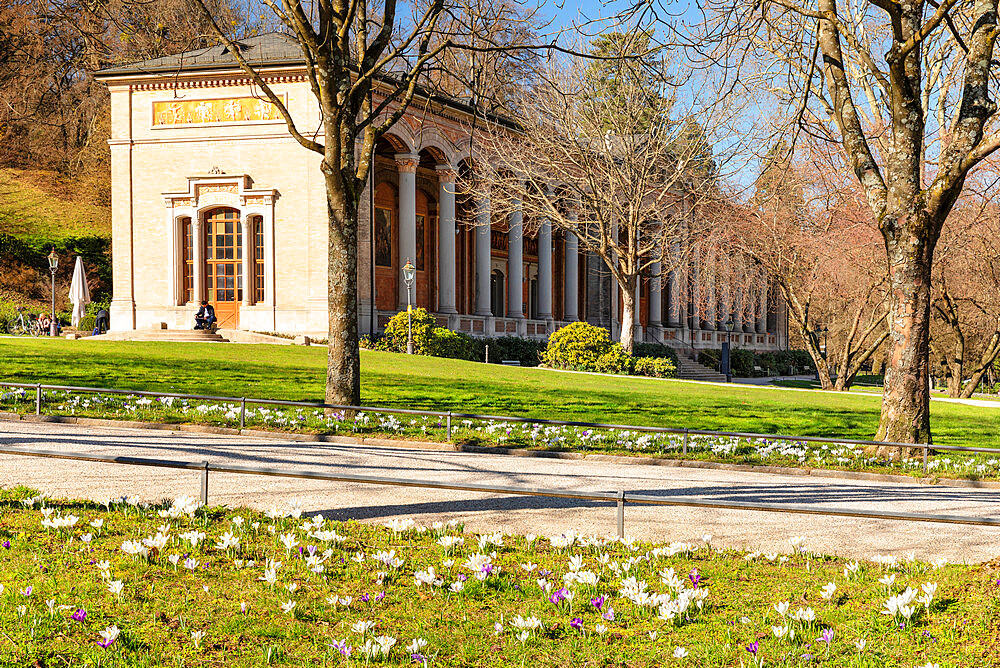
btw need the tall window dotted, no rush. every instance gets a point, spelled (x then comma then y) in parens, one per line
(383, 237)
(223, 255)
(187, 264)
(257, 225)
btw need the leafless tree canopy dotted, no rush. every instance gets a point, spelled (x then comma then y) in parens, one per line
(620, 154)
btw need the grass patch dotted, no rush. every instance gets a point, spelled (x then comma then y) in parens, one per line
(292, 372)
(220, 603)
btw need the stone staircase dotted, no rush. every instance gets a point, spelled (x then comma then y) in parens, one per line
(174, 335)
(688, 369)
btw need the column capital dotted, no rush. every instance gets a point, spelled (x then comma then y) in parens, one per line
(408, 162)
(446, 173)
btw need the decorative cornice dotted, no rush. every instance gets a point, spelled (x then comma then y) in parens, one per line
(446, 173)
(216, 82)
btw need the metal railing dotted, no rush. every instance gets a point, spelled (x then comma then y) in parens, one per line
(619, 498)
(448, 416)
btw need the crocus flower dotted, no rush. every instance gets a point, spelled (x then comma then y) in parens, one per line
(695, 577)
(79, 616)
(576, 623)
(109, 635)
(26, 591)
(6, 544)
(753, 647)
(597, 602)
(827, 636)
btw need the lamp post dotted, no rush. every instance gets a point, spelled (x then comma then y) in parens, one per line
(727, 367)
(53, 265)
(409, 272)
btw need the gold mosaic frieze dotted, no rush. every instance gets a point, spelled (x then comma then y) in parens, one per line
(222, 110)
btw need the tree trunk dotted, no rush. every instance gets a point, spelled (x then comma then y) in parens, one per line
(906, 395)
(343, 369)
(628, 317)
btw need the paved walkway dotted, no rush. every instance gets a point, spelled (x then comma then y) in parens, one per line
(743, 529)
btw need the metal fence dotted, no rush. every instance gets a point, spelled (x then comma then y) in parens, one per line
(619, 498)
(448, 416)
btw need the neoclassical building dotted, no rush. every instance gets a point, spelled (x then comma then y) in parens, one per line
(213, 199)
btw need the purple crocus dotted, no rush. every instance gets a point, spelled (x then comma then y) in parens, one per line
(26, 591)
(695, 577)
(753, 647)
(342, 647)
(827, 636)
(79, 616)
(597, 601)
(609, 614)
(576, 623)
(106, 643)
(364, 598)
(379, 596)
(6, 544)
(559, 596)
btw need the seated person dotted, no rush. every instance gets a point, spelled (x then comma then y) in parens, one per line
(205, 317)
(101, 323)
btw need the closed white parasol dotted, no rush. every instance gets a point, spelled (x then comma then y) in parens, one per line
(79, 294)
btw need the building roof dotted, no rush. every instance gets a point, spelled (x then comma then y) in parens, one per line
(269, 49)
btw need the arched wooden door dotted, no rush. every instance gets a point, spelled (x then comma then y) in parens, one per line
(224, 264)
(386, 260)
(426, 262)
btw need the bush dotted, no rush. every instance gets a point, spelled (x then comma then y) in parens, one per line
(657, 350)
(87, 323)
(742, 362)
(394, 338)
(710, 357)
(576, 346)
(654, 367)
(446, 343)
(615, 360)
(365, 341)
(526, 351)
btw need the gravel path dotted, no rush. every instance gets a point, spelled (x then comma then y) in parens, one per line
(764, 531)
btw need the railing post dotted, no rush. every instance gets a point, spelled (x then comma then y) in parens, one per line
(243, 413)
(620, 514)
(204, 483)
(684, 448)
(449, 426)
(38, 399)
(926, 448)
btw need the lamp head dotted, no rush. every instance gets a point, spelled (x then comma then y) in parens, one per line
(409, 271)
(53, 260)
(729, 325)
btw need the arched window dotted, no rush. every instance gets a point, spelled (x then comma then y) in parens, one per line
(498, 292)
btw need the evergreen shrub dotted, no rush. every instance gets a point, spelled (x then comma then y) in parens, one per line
(577, 347)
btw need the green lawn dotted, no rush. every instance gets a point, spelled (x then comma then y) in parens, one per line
(27, 209)
(71, 571)
(291, 372)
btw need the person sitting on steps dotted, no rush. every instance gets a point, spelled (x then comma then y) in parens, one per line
(205, 317)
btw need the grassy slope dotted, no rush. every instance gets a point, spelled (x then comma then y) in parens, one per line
(40, 204)
(420, 382)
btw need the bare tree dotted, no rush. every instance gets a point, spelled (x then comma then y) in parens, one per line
(350, 47)
(609, 152)
(812, 235)
(905, 88)
(965, 336)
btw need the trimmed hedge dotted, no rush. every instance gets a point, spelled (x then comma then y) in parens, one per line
(654, 367)
(775, 363)
(526, 351)
(87, 323)
(615, 360)
(656, 350)
(428, 338)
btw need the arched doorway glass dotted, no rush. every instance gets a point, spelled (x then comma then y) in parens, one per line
(224, 264)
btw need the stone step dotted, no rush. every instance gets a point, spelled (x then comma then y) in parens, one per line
(174, 335)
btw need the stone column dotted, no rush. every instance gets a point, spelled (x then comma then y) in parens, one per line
(545, 271)
(198, 257)
(571, 293)
(407, 163)
(515, 264)
(446, 239)
(483, 268)
(675, 299)
(655, 296)
(711, 296)
(762, 308)
(248, 263)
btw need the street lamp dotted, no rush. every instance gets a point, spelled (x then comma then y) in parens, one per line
(53, 265)
(727, 367)
(409, 272)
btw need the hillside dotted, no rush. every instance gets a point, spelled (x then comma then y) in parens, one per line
(41, 211)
